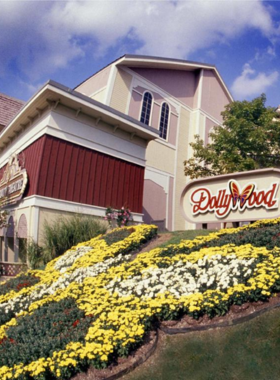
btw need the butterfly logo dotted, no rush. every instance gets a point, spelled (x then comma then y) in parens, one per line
(243, 195)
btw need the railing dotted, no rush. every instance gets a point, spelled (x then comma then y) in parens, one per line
(11, 269)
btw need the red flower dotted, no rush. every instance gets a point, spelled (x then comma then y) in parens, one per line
(76, 323)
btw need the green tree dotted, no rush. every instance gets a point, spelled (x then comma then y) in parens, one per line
(248, 139)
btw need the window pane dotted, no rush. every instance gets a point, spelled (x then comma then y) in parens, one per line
(146, 108)
(164, 121)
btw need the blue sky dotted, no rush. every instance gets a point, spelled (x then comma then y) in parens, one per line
(68, 41)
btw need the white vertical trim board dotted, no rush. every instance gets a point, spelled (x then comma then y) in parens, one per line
(200, 88)
(129, 96)
(167, 204)
(110, 85)
(175, 169)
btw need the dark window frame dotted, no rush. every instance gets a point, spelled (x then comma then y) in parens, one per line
(146, 109)
(164, 120)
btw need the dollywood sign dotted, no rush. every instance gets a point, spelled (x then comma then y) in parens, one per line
(245, 196)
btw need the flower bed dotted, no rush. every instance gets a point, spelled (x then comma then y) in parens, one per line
(18, 283)
(113, 301)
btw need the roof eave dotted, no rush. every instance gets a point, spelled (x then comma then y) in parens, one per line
(55, 92)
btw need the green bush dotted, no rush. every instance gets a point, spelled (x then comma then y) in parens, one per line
(115, 236)
(65, 233)
(34, 254)
(266, 236)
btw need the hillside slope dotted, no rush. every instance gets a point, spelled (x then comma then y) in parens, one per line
(94, 303)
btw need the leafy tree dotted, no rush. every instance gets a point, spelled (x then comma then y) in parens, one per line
(249, 139)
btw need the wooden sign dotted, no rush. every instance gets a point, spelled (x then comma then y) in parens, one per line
(13, 182)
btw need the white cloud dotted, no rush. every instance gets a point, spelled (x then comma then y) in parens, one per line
(39, 37)
(264, 55)
(271, 51)
(251, 83)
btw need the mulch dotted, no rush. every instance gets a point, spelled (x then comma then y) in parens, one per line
(123, 365)
(236, 315)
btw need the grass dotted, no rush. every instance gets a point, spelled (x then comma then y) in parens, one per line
(177, 236)
(65, 233)
(249, 351)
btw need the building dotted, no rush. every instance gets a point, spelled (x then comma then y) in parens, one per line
(79, 156)
(179, 99)
(118, 139)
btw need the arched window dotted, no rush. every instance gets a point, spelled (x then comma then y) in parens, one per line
(22, 227)
(146, 108)
(164, 116)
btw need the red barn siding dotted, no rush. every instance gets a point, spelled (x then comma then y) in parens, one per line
(62, 170)
(78, 174)
(29, 159)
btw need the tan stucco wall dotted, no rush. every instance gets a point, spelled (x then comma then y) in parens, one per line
(121, 91)
(160, 157)
(170, 204)
(183, 142)
(202, 121)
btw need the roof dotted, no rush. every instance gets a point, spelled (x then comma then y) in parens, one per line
(164, 62)
(146, 61)
(56, 93)
(9, 107)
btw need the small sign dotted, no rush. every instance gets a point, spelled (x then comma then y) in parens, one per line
(13, 182)
(236, 197)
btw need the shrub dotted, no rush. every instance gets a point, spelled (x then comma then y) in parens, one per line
(34, 254)
(65, 233)
(117, 235)
(122, 216)
(266, 236)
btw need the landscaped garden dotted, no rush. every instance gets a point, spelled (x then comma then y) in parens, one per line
(97, 303)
